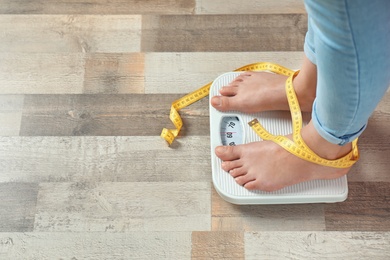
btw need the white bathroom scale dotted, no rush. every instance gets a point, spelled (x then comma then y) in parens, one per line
(231, 128)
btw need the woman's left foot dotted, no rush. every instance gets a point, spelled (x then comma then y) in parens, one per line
(267, 166)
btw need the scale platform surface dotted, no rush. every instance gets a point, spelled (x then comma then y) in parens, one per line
(231, 128)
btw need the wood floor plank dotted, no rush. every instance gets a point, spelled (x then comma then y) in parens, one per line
(123, 207)
(250, 7)
(104, 159)
(108, 115)
(185, 72)
(41, 73)
(222, 33)
(366, 209)
(230, 217)
(17, 207)
(71, 73)
(114, 73)
(317, 245)
(374, 147)
(217, 245)
(70, 33)
(95, 245)
(11, 107)
(97, 7)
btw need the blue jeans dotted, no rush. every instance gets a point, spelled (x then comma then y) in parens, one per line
(349, 42)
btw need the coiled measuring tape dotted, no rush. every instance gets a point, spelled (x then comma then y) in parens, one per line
(296, 146)
(169, 135)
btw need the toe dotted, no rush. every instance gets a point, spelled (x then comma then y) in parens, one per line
(223, 103)
(229, 90)
(237, 172)
(243, 179)
(230, 165)
(228, 153)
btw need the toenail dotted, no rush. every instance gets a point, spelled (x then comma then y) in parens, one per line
(217, 101)
(220, 149)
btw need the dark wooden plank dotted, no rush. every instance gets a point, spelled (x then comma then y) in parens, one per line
(96, 7)
(17, 206)
(217, 33)
(108, 115)
(366, 209)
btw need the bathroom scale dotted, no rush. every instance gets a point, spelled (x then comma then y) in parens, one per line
(231, 128)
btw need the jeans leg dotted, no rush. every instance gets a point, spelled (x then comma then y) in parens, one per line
(309, 47)
(351, 42)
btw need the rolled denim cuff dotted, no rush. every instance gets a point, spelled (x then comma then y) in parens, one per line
(326, 133)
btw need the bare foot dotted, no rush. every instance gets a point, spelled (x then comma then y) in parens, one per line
(254, 92)
(267, 166)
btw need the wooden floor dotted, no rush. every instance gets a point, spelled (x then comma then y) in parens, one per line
(85, 89)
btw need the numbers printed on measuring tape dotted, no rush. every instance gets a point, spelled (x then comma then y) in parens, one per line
(229, 137)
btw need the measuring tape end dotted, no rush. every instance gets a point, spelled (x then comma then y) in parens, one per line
(253, 122)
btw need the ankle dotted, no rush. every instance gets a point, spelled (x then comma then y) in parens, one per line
(322, 147)
(305, 90)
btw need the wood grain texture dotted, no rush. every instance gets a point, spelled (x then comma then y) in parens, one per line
(250, 7)
(317, 245)
(221, 33)
(104, 159)
(70, 33)
(123, 207)
(188, 71)
(17, 207)
(41, 73)
(217, 245)
(11, 107)
(114, 73)
(374, 147)
(95, 245)
(230, 217)
(97, 7)
(71, 73)
(366, 209)
(113, 115)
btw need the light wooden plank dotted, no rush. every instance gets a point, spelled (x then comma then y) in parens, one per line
(123, 207)
(96, 245)
(70, 33)
(104, 159)
(11, 107)
(114, 73)
(17, 207)
(36, 73)
(249, 7)
(366, 209)
(185, 72)
(97, 7)
(223, 33)
(112, 115)
(230, 217)
(217, 245)
(71, 73)
(317, 245)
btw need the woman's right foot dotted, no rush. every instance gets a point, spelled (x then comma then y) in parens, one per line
(253, 92)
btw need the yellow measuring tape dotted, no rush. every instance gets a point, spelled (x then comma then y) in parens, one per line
(169, 135)
(296, 146)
